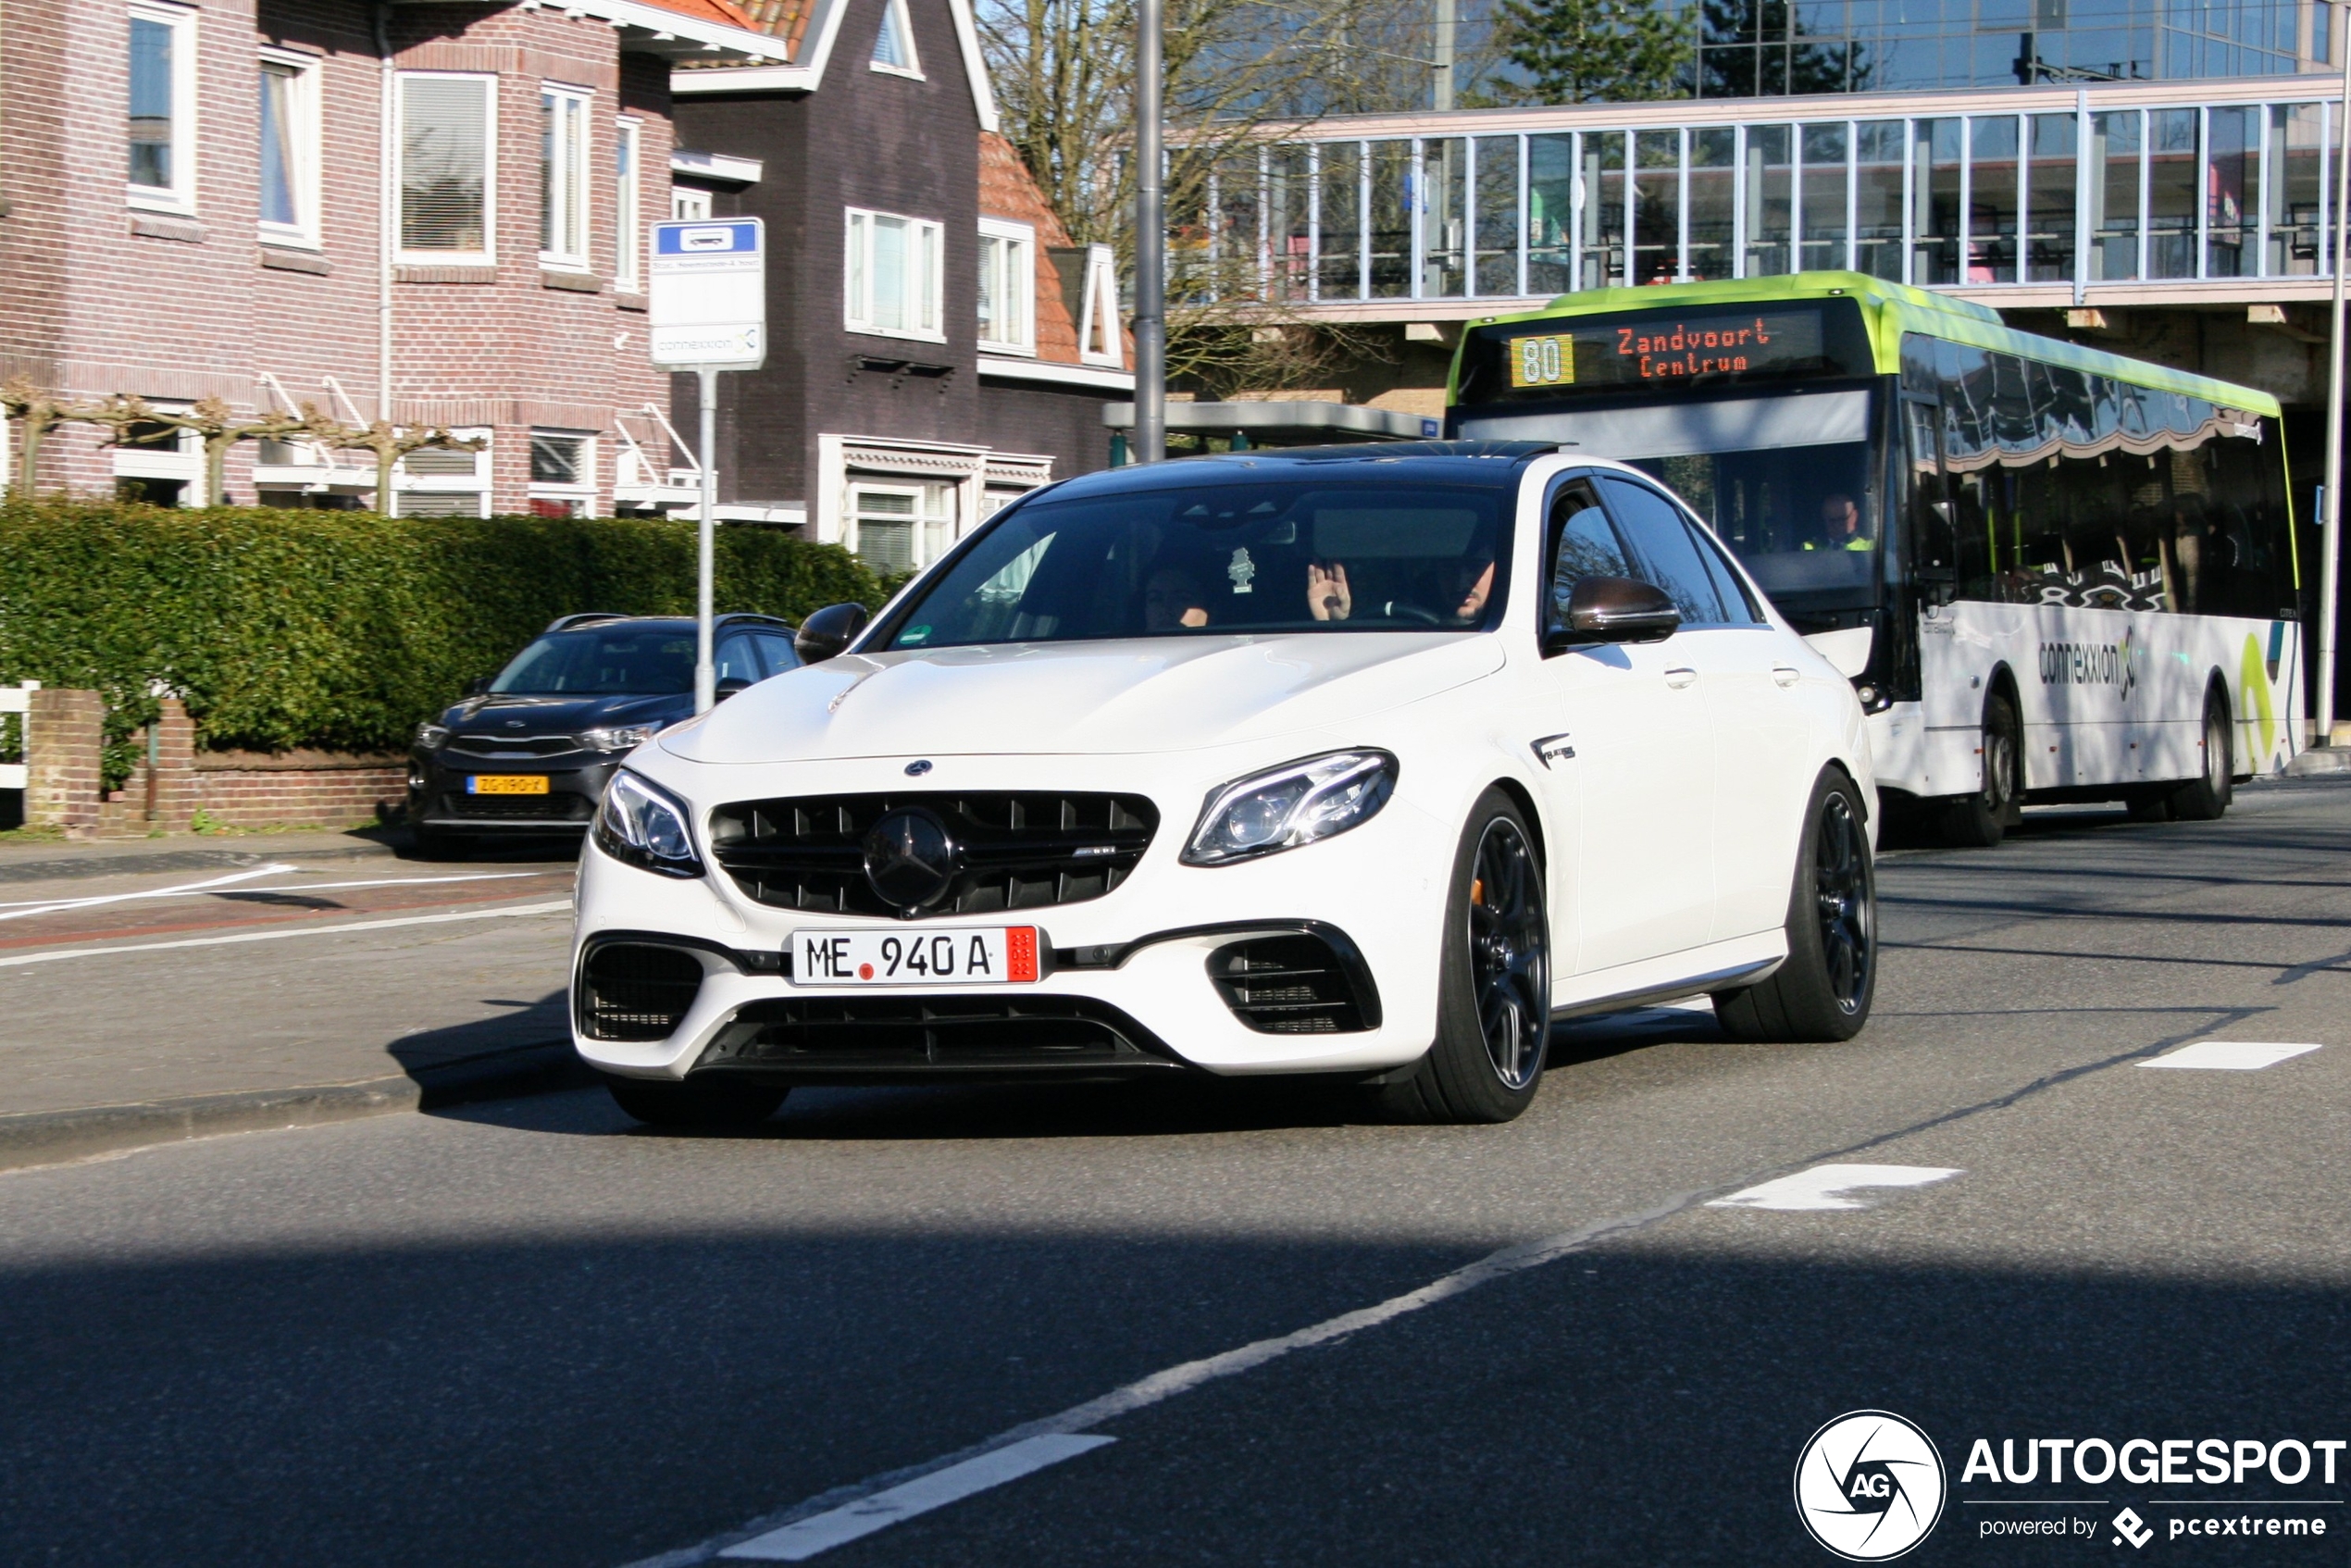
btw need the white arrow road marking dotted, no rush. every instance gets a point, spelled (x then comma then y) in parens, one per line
(1823, 1186)
(2230, 1055)
(805, 1538)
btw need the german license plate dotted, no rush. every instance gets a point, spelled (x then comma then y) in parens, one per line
(506, 784)
(989, 955)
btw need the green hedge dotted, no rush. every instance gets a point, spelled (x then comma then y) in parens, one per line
(342, 629)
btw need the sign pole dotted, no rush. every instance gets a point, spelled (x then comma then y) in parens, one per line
(2330, 504)
(705, 666)
(1150, 240)
(707, 312)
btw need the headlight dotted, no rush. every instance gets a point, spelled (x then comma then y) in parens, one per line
(619, 738)
(430, 736)
(1295, 803)
(645, 826)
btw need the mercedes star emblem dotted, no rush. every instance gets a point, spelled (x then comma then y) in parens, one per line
(910, 858)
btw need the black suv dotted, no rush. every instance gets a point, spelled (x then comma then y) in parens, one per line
(531, 748)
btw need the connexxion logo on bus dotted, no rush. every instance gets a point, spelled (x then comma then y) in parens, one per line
(2088, 664)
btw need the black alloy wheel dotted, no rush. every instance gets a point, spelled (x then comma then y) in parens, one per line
(1822, 991)
(1493, 981)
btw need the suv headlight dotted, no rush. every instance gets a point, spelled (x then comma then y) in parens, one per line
(619, 737)
(430, 736)
(1296, 803)
(641, 824)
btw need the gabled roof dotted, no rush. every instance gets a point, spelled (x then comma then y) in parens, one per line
(809, 29)
(709, 10)
(682, 32)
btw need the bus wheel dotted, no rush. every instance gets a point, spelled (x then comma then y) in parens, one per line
(2205, 799)
(1980, 821)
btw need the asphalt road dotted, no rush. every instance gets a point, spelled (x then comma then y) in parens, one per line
(528, 1334)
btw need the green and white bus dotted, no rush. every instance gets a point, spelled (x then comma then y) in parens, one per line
(2052, 573)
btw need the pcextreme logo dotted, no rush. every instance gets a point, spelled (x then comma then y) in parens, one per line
(1869, 1486)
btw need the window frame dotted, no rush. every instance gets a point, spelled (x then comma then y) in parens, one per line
(302, 72)
(475, 484)
(179, 196)
(690, 204)
(565, 206)
(927, 249)
(922, 520)
(580, 493)
(1021, 288)
(1099, 310)
(629, 222)
(895, 14)
(487, 254)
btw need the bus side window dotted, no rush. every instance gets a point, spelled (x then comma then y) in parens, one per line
(1931, 511)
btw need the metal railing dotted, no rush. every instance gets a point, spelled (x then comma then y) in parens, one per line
(2063, 189)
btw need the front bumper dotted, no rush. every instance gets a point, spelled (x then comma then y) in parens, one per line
(439, 798)
(1137, 960)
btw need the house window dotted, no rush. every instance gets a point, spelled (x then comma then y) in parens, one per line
(289, 149)
(438, 482)
(1100, 339)
(894, 276)
(894, 44)
(563, 178)
(628, 239)
(900, 527)
(161, 130)
(688, 205)
(448, 183)
(1007, 286)
(563, 473)
(160, 463)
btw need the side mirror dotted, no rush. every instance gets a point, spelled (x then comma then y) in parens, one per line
(824, 634)
(732, 684)
(1614, 609)
(477, 686)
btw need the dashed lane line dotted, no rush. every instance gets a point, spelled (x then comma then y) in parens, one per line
(562, 905)
(1826, 1187)
(804, 1539)
(2230, 1055)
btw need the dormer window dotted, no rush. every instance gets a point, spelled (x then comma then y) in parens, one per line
(894, 44)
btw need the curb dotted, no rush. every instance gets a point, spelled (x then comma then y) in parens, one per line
(47, 1138)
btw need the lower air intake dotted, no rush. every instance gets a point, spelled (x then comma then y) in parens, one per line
(883, 1035)
(1290, 984)
(636, 992)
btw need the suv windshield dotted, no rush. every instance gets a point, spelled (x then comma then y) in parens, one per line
(602, 661)
(1296, 555)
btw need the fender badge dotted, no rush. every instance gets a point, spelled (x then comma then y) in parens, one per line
(917, 769)
(1552, 748)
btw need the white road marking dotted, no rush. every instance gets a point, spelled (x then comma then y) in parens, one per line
(50, 906)
(805, 1538)
(1183, 1379)
(2229, 1055)
(1823, 1186)
(276, 933)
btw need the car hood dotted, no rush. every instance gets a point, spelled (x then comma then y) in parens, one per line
(1156, 694)
(521, 715)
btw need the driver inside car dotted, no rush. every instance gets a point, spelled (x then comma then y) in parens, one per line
(1328, 597)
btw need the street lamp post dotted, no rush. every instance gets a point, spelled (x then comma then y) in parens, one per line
(2331, 512)
(1151, 251)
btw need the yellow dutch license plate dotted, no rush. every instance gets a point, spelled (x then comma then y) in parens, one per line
(506, 784)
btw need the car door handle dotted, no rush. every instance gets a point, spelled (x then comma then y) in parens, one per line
(1782, 675)
(1680, 675)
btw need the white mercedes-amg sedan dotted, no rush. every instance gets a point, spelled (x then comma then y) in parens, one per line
(1367, 763)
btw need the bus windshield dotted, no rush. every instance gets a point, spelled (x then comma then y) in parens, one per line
(1784, 478)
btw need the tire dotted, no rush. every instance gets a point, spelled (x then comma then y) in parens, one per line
(2207, 798)
(1822, 992)
(1494, 980)
(695, 1103)
(1979, 821)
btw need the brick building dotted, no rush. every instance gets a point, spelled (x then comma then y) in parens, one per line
(434, 209)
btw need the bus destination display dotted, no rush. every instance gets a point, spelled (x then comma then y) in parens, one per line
(1661, 348)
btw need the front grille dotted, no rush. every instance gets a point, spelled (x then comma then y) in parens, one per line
(636, 991)
(1287, 986)
(899, 1034)
(1018, 851)
(558, 807)
(521, 746)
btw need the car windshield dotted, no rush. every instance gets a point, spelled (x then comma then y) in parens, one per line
(1285, 555)
(602, 661)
